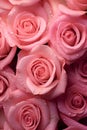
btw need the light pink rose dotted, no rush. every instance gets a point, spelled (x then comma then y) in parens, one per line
(40, 72)
(31, 113)
(23, 2)
(6, 84)
(68, 36)
(27, 26)
(73, 103)
(77, 4)
(6, 52)
(72, 124)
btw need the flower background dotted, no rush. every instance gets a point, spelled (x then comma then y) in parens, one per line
(43, 65)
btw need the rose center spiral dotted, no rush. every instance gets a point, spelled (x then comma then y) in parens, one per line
(77, 101)
(29, 116)
(69, 36)
(28, 26)
(41, 70)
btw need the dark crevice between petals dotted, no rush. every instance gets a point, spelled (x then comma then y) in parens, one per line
(61, 125)
(83, 121)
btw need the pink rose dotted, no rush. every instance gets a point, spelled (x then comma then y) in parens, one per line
(68, 37)
(27, 26)
(23, 2)
(31, 113)
(77, 4)
(73, 103)
(6, 84)
(40, 72)
(6, 52)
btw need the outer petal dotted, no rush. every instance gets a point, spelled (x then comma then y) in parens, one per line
(23, 2)
(64, 9)
(72, 123)
(79, 4)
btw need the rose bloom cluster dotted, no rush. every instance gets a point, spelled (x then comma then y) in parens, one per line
(43, 65)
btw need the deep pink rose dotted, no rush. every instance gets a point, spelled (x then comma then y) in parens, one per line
(68, 36)
(23, 2)
(73, 103)
(78, 70)
(27, 26)
(40, 72)
(77, 4)
(32, 113)
(72, 124)
(6, 84)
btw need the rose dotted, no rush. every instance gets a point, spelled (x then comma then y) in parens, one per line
(23, 2)
(73, 103)
(40, 72)
(81, 70)
(78, 70)
(68, 37)
(27, 26)
(6, 52)
(78, 5)
(31, 113)
(6, 84)
(72, 124)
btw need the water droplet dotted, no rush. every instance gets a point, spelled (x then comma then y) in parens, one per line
(69, 113)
